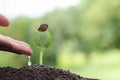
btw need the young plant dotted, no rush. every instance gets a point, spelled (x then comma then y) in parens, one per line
(43, 39)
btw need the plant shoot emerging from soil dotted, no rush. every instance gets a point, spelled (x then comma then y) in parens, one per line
(42, 39)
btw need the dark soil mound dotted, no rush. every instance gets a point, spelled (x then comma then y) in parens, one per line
(38, 72)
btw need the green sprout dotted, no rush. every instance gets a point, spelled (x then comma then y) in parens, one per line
(43, 39)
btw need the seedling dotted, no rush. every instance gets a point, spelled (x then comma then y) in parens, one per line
(42, 39)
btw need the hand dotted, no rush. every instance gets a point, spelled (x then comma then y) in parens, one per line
(11, 45)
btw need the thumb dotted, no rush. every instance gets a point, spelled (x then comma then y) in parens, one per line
(3, 21)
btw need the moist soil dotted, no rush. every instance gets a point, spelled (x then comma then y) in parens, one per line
(38, 72)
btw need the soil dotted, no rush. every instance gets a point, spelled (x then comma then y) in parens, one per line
(38, 72)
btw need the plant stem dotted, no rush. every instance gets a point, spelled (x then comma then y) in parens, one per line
(41, 56)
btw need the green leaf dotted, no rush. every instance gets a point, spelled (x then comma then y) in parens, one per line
(42, 39)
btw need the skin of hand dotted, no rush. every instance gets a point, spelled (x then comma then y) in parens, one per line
(11, 45)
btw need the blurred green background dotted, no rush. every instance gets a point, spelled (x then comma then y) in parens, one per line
(86, 39)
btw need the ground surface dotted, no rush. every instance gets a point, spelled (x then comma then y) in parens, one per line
(38, 72)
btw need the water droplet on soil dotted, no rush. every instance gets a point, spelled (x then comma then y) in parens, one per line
(29, 61)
